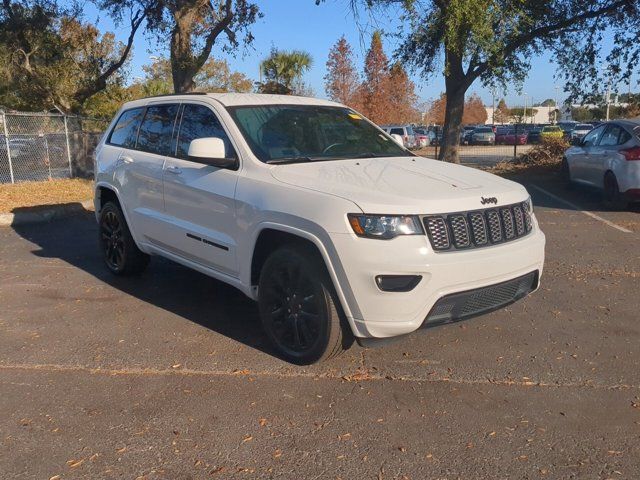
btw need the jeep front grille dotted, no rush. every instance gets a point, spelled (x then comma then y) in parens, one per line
(479, 228)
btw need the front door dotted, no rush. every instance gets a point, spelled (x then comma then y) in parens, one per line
(581, 161)
(199, 198)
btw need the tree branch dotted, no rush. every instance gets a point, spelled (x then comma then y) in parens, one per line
(222, 26)
(101, 82)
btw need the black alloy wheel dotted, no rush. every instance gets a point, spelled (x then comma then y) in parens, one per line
(120, 252)
(297, 307)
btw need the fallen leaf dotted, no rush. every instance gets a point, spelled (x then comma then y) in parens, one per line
(75, 463)
(248, 438)
(262, 422)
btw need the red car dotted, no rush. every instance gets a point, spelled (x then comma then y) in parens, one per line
(511, 138)
(501, 133)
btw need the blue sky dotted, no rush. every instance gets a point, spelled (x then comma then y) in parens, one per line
(300, 24)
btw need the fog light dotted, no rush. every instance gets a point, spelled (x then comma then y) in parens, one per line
(397, 283)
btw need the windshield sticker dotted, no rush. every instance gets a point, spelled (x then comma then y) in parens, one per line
(355, 116)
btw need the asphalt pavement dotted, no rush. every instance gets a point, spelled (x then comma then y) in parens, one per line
(169, 376)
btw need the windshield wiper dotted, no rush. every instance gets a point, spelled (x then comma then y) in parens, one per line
(285, 160)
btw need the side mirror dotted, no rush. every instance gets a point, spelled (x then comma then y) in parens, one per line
(211, 151)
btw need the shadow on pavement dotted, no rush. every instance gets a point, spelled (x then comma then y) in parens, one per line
(165, 284)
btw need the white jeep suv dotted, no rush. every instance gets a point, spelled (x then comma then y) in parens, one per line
(307, 207)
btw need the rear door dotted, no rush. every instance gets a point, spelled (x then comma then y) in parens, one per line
(607, 149)
(199, 198)
(139, 170)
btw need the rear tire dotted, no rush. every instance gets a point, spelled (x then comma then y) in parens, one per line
(299, 309)
(120, 253)
(612, 197)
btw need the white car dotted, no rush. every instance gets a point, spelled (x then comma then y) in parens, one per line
(310, 209)
(608, 157)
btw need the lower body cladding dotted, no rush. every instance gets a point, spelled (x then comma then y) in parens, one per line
(429, 288)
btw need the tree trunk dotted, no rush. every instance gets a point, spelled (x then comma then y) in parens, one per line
(182, 61)
(456, 84)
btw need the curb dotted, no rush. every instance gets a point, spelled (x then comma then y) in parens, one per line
(45, 214)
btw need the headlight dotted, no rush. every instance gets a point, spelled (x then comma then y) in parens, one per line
(385, 227)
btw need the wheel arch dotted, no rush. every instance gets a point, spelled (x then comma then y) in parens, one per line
(105, 192)
(271, 236)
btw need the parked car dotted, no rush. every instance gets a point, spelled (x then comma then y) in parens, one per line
(550, 132)
(501, 132)
(422, 137)
(513, 138)
(483, 136)
(465, 134)
(608, 157)
(406, 132)
(566, 127)
(314, 212)
(534, 135)
(579, 131)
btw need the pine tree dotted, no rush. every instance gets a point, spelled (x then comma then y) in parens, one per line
(502, 113)
(341, 80)
(402, 97)
(474, 111)
(376, 80)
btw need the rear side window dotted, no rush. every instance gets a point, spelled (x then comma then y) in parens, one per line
(199, 121)
(396, 131)
(156, 130)
(126, 129)
(610, 136)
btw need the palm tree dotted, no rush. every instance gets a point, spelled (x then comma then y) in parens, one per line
(281, 69)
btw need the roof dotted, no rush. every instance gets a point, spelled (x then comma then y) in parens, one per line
(238, 99)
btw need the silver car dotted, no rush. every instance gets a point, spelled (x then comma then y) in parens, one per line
(608, 158)
(406, 132)
(483, 136)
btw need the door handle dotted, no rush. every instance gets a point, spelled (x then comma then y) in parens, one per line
(126, 159)
(173, 169)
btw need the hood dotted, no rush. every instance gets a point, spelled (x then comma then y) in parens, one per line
(402, 185)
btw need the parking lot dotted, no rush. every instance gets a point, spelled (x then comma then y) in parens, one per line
(168, 376)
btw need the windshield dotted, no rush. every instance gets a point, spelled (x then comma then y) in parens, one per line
(281, 133)
(483, 130)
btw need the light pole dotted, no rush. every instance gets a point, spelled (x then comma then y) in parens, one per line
(524, 112)
(493, 106)
(555, 111)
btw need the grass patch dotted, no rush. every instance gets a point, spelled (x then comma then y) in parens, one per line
(48, 192)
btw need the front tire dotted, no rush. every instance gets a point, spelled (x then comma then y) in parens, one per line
(566, 173)
(120, 253)
(299, 309)
(612, 197)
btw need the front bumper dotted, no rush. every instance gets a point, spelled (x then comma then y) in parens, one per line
(379, 314)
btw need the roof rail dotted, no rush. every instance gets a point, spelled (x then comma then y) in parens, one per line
(175, 94)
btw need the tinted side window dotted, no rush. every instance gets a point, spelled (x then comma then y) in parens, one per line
(199, 121)
(396, 131)
(126, 129)
(157, 129)
(610, 136)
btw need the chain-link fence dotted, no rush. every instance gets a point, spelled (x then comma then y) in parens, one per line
(486, 146)
(36, 146)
